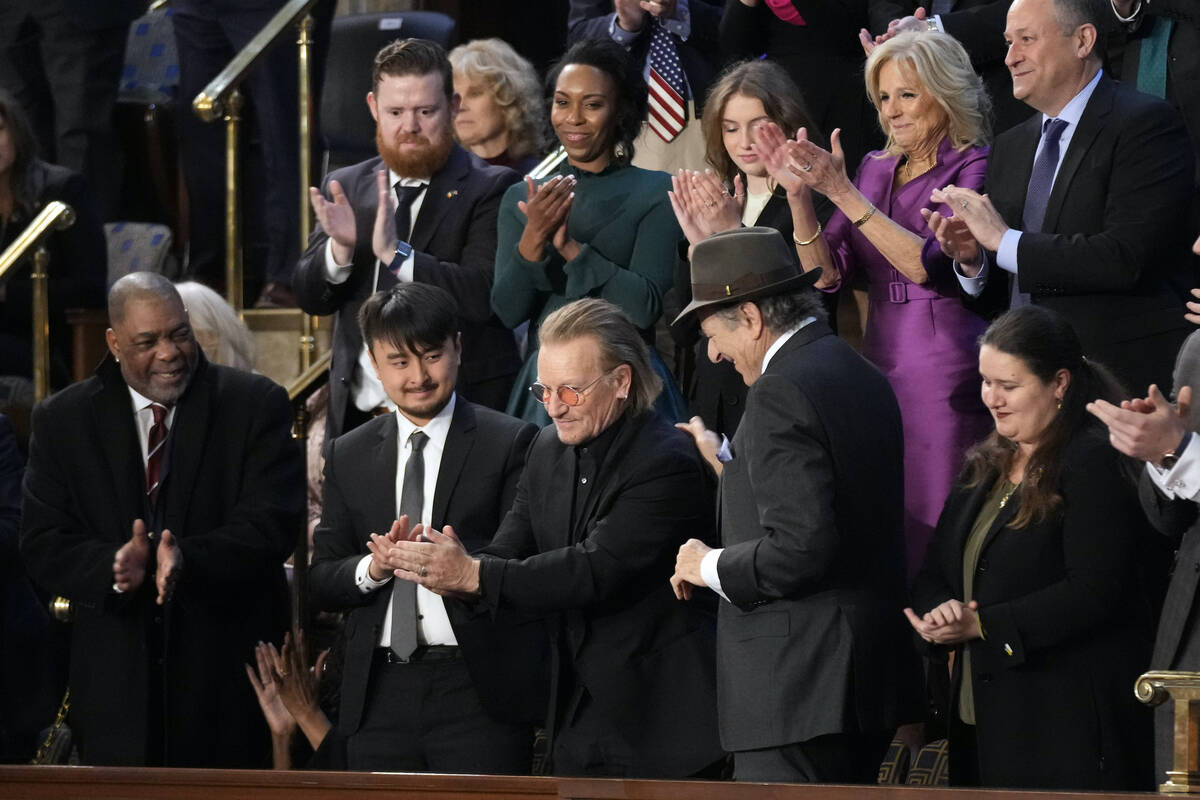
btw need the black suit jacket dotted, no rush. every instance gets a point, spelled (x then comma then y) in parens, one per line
(699, 56)
(812, 641)
(233, 495)
(645, 658)
(477, 479)
(1067, 615)
(1112, 257)
(978, 25)
(454, 243)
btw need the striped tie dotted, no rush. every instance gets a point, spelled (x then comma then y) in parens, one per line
(154, 451)
(668, 107)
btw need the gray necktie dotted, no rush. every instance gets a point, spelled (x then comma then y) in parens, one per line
(404, 593)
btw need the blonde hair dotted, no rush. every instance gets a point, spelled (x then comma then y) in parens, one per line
(618, 339)
(766, 82)
(514, 85)
(944, 69)
(223, 337)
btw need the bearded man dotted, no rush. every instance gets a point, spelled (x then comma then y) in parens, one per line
(423, 211)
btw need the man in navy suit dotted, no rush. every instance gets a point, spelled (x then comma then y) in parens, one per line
(428, 685)
(1087, 201)
(424, 211)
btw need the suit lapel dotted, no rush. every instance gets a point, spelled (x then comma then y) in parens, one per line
(440, 197)
(1025, 142)
(382, 478)
(1090, 125)
(459, 441)
(182, 464)
(112, 412)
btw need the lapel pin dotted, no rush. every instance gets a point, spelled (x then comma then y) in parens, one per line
(452, 194)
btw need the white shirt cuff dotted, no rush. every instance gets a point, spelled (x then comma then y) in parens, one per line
(335, 272)
(708, 571)
(620, 35)
(1006, 256)
(973, 286)
(1181, 481)
(937, 20)
(405, 273)
(362, 577)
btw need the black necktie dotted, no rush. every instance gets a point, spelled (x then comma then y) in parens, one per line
(404, 593)
(405, 195)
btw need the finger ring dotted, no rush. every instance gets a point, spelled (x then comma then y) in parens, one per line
(963, 204)
(424, 571)
(806, 167)
(283, 674)
(710, 204)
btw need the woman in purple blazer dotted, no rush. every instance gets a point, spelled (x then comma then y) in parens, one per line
(934, 110)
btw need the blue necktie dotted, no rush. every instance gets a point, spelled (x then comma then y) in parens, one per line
(1037, 195)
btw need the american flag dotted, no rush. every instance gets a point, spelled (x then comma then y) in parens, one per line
(668, 108)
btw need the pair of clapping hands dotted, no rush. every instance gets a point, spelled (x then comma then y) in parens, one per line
(287, 689)
(704, 206)
(133, 557)
(431, 558)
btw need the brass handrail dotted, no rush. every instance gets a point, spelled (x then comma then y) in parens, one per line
(221, 99)
(309, 380)
(1183, 688)
(209, 104)
(55, 216)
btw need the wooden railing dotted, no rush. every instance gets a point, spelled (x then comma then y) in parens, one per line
(53, 783)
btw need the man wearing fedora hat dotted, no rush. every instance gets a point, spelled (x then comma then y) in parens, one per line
(815, 670)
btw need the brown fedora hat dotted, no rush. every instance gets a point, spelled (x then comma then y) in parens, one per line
(742, 264)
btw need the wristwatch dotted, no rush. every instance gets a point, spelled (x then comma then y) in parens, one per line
(1171, 457)
(403, 249)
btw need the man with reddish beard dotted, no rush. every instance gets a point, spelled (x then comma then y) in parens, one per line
(423, 211)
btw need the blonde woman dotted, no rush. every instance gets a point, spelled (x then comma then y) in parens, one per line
(502, 118)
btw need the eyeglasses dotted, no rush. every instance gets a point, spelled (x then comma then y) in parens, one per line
(568, 395)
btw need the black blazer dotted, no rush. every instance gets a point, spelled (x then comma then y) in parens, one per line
(644, 657)
(812, 641)
(477, 479)
(454, 243)
(233, 495)
(1113, 255)
(1067, 614)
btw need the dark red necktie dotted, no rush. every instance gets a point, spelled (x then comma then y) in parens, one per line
(154, 450)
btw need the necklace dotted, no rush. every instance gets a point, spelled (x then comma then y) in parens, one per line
(908, 171)
(1008, 494)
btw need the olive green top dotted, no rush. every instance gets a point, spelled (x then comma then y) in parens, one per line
(996, 499)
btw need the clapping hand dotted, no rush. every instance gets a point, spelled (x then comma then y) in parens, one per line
(976, 211)
(337, 220)
(703, 206)
(771, 145)
(915, 22)
(546, 209)
(1146, 428)
(819, 169)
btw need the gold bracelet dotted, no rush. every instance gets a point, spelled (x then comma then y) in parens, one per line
(858, 223)
(811, 239)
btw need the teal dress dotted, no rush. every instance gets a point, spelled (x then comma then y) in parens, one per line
(628, 239)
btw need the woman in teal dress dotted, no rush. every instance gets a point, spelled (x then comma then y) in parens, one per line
(598, 227)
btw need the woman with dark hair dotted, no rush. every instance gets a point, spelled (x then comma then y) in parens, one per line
(78, 259)
(598, 227)
(1038, 578)
(747, 99)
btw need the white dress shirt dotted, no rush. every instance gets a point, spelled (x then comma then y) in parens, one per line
(366, 392)
(1181, 481)
(708, 564)
(1006, 255)
(143, 418)
(433, 624)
